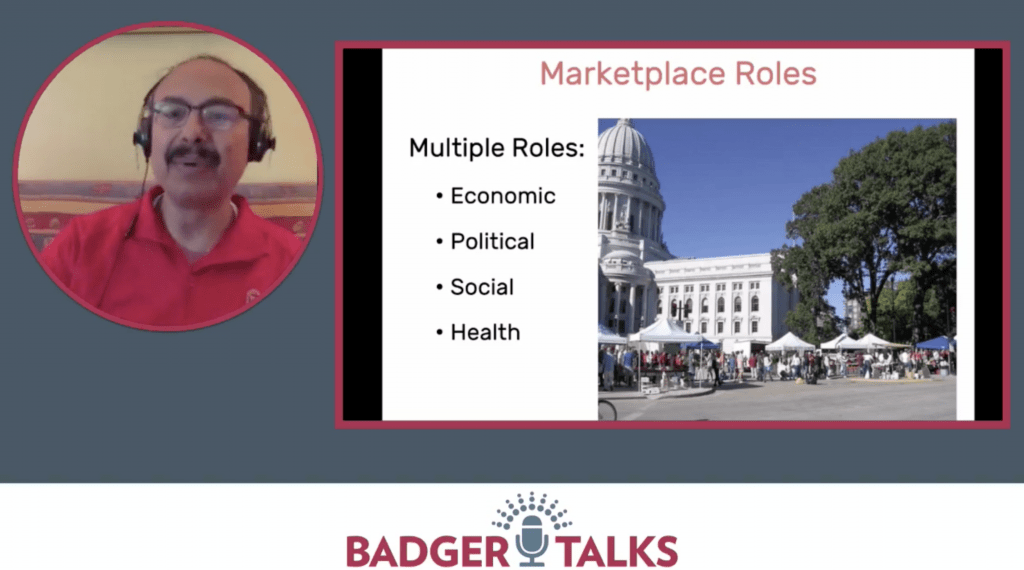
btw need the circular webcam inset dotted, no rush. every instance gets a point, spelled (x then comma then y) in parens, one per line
(167, 176)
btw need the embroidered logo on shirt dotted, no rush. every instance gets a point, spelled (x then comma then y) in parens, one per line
(252, 295)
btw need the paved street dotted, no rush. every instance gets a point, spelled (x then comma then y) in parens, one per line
(831, 400)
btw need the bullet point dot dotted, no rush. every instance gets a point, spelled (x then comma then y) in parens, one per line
(439, 286)
(438, 240)
(438, 331)
(438, 194)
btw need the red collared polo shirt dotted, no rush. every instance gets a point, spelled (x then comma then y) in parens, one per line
(124, 262)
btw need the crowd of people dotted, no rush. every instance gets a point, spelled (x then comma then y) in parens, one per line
(907, 363)
(621, 367)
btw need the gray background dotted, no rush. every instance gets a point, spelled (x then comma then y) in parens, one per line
(252, 399)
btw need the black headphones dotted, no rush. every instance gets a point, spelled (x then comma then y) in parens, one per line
(261, 139)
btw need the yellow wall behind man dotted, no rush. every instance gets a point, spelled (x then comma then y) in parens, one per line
(81, 128)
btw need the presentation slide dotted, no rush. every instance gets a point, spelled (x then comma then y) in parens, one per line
(782, 232)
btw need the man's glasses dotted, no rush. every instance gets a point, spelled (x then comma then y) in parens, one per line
(216, 115)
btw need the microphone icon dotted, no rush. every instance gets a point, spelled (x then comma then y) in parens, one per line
(534, 539)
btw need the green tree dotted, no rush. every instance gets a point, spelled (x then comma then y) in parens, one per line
(890, 209)
(924, 171)
(813, 318)
(896, 312)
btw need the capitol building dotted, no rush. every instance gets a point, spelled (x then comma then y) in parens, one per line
(732, 300)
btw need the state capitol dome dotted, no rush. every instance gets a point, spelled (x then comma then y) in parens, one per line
(624, 144)
(735, 299)
(629, 216)
(629, 202)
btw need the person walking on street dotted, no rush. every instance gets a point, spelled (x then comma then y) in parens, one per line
(608, 369)
(714, 371)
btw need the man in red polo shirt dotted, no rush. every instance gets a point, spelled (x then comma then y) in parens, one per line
(189, 251)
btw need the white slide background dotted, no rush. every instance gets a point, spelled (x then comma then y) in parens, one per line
(497, 94)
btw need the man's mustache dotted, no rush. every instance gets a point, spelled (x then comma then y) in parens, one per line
(208, 156)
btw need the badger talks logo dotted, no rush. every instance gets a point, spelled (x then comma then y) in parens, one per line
(532, 543)
(534, 520)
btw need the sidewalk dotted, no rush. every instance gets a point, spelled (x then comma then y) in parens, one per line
(697, 389)
(901, 380)
(624, 393)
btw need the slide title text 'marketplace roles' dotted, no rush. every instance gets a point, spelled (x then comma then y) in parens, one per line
(747, 73)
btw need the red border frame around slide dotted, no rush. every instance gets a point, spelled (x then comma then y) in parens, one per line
(716, 425)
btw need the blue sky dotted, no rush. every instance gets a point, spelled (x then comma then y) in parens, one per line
(729, 184)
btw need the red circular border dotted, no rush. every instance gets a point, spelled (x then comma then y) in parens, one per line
(319, 175)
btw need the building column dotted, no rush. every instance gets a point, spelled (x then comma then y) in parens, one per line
(632, 309)
(604, 211)
(611, 211)
(602, 204)
(640, 229)
(643, 309)
(618, 303)
(609, 200)
(629, 213)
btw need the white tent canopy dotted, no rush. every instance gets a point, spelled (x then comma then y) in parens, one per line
(833, 344)
(664, 330)
(875, 342)
(789, 342)
(850, 343)
(605, 335)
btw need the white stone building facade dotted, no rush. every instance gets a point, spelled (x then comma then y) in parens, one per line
(728, 299)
